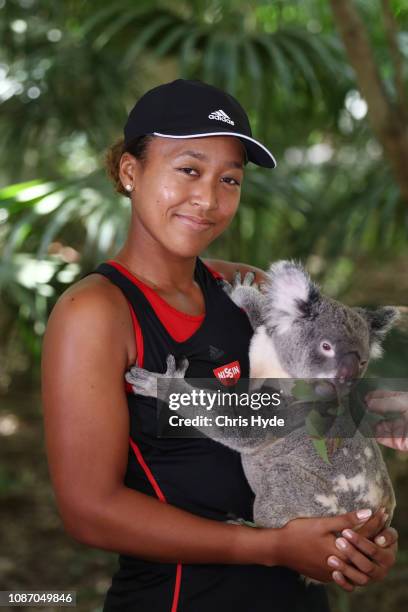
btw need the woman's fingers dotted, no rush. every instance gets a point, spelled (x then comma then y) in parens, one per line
(361, 561)
(373, 526)
(388, 537)
(380, 394)
(351, 520)
(339, 579)
(355, 565)
(373, 558)
(353, 575)
(387, 541)
(393, 434)
(387, 401)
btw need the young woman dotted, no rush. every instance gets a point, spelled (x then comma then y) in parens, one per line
(163, 504)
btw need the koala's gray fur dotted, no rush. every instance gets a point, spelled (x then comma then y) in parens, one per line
(293, 326)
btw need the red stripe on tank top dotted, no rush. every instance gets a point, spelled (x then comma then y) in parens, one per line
(214, 272)
(139, 457)
(162, 498)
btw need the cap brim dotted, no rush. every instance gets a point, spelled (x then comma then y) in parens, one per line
(256, 151)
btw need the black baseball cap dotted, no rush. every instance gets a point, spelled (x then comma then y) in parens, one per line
(192, 109)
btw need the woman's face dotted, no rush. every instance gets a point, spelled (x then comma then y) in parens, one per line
(187, 191)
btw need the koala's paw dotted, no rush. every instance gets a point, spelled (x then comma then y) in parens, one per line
(145, 383)
(235, 288)
(248, 280)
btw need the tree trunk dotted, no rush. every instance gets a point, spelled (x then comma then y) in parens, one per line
(387, 119)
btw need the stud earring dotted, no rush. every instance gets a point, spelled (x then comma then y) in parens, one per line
(128, 187)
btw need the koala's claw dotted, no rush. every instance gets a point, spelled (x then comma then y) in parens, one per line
(170, 366)
(182, 368)
(174, 371)
(142, 381)
(236, 279)
(248, 279)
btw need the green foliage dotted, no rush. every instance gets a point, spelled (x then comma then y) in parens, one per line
(69, 75)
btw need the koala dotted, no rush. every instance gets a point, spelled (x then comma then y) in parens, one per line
(299, 334)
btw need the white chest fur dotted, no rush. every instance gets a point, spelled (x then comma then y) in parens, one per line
(264, 362)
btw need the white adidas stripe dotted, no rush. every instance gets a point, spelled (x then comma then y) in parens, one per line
(219, 134)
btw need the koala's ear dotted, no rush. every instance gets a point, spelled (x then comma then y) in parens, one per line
(289, 295)
(380, 321)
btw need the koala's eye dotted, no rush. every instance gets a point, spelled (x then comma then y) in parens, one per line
(327, 348)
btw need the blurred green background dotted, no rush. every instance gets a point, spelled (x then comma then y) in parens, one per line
(326, 87)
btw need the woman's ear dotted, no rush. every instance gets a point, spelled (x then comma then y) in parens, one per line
(129, 169)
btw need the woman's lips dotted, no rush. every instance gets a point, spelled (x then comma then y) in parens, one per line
(195, 223)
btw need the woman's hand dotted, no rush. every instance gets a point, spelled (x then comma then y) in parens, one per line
(310, 546)
(392, 433)
(373, 560)
(306, 544)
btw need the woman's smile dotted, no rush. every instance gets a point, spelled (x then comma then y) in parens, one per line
(196, 223)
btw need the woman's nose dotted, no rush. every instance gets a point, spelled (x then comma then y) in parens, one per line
(205, 196)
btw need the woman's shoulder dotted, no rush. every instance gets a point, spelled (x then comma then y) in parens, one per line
(97, 308)
(93, 293)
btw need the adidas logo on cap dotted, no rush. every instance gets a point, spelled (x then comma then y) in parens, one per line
(221, 116)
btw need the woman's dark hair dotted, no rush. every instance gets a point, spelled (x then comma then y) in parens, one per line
(137, 148)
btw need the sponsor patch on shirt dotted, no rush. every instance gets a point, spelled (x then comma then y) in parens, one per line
(228, 374)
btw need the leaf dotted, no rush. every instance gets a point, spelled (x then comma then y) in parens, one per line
(169, 41)
(11, 191)
(230, 64)
(115, 26)
(254, 69)
(316, 424)
(303, 390)
(211, 57)
(333, 445)
(188, 50)
(302, 64)
(97, 17)
(283, 72)
(321, 448)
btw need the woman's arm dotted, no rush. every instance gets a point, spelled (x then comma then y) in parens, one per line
(85, 356)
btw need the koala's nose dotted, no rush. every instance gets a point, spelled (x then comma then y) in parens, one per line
(348, 367)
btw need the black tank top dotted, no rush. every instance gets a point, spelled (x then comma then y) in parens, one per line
(196, 474)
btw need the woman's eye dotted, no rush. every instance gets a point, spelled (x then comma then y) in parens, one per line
(231, 181)
(187, 171)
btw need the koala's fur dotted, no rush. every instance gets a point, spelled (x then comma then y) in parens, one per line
(291, 320)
